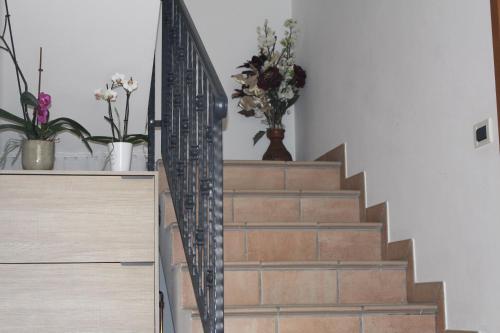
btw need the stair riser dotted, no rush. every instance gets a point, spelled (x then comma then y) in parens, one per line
(275, 208)
(294, 245)
(308, 287)
(281, 178)
(367, 323)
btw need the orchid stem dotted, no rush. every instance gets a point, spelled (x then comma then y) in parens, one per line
(125, 121)
(40, 70)
(110, 112)
(12, 52)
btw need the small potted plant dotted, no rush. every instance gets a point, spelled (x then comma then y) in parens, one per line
(120, 143)
(270, 84)
(39, 132)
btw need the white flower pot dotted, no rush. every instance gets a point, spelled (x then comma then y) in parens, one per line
(121, 156)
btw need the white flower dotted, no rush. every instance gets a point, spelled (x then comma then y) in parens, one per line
(285, 92)
(130, 85)
(98, 93)
(118, 79)
(290, 23)
(109, 95)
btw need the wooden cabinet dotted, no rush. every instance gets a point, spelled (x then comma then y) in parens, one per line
(78, 252)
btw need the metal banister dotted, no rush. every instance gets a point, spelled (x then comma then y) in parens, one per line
(193, 107)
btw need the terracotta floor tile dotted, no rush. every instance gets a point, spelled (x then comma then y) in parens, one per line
(400, 324)
(282, 245)
(299, 287)
(349, 245)
(372, 286)
(315, 324)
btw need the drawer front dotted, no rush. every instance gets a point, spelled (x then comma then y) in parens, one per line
(71, 218)
(90, 298)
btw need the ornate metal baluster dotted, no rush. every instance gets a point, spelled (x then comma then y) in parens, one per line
(193, 107)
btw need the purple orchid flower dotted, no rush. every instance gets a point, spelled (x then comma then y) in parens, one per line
(44, 101)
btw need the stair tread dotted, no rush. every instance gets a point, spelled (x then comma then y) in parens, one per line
(282, 163)
(313, 265)
(303, 225)
(330, 309)
(304, 193)
(294, 192)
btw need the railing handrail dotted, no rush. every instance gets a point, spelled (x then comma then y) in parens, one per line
(193, 107)
(219, 91)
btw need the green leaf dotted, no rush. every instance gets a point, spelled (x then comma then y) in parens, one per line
(26, 125)
(12, 127)
(136, 139)
(99, 139)
(63, 125)
(258, 136)
(80, 135)
(28, 98)
(12, 118)
(70, 122)
(54, 130)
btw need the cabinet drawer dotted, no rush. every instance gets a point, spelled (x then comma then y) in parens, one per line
(76, 218)
(91, 298)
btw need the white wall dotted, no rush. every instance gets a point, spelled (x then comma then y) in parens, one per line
(403, 82)
(228, 29)
(85, 42)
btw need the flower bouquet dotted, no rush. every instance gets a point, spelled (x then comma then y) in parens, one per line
(270, 84)
(120, 143)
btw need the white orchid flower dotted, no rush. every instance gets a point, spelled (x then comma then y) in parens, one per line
(110, 95)
(98, 93)
(118, 79)
(130, 85)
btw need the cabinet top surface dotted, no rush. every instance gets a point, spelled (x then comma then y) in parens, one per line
(76, 173)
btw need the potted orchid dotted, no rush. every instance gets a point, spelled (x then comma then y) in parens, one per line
(270, 84)
(120, 143)
(38, 131)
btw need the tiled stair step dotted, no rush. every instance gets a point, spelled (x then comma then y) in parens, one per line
(309, 283)
(295, 242)
(332, 319)
(284, 206)
(291, 206)
(275, 175)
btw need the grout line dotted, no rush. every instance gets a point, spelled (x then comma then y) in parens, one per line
(318, 251)
(261, 289)
(338, 287)
(301, 217)
(277, 325)
(285, 178)
(232, 209)
(246, 244)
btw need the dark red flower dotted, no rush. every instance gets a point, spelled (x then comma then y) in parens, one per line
(299, 76)
(256, 62)
(270, 79)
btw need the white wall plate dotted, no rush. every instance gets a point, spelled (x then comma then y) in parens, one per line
(482, 133)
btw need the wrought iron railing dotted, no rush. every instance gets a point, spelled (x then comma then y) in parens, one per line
(193, 107)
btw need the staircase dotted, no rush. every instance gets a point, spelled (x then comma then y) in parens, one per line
(302, 254)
